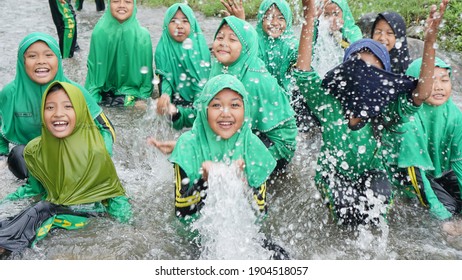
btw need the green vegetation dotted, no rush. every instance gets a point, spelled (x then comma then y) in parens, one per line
(413, 11)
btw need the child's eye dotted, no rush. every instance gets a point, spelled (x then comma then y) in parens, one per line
(281, 18)
(69, 107)
(236, 105)
(390, 33)
(49, 107)
(216, 106)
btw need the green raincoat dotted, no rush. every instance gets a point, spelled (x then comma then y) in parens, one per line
(20, 99)
(202, 144)
(432, 142)
(184, 67)
(270, 110)
(348, 152)
(120, 59)
(279, 54)
(77, 169)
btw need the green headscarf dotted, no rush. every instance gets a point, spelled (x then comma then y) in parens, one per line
(20, 99)
(433, 140)
(350, 31)
(202, 144)
(186, 66)
(269, 103)
(76, 169)
(120, 58)
(279, 54)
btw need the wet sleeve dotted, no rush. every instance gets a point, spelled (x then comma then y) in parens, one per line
(184, 118)
(188, 196)
(283, 138)
(437, 208)
(107, 131)
(30, 189)
(120, 208)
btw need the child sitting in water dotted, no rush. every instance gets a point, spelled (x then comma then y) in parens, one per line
(182, 60)
(120, 59)
(39, 63)
(77, 176)
(221, 133)
(429, 151)
(351, 175)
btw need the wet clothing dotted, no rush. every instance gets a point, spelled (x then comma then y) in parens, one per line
(430, 144)
(120, 61)
(20, 103)
(190, 198)
(352, 155)
(183, 67)
(74, 172)
(271, 112)
(201, 144)
(280, 55)
(399, 54)
(65, 21)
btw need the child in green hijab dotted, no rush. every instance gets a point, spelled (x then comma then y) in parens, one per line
(182, 60)
(39, 63)
(120, 59)
(235, 50)
(351, 173)
(221, 134)
(77, 176)
(430, 150)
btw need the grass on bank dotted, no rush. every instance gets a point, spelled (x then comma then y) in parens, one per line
(413, 11)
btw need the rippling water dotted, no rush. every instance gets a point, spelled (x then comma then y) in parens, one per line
(297, 219)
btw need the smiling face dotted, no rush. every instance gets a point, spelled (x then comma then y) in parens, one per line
(122, 10)
(384, 34)
(226, 47)
(274, 23)
(59, 114)
(179, 27)
(225, 113)
(41, 63)
(334, 14)
(442, 87)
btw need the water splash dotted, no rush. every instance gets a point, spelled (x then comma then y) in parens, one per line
(227, 224)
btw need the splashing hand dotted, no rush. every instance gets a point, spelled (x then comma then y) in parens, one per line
(233, 7)
(434, 20)
(205, 169)
(166, 147)
(164, 106)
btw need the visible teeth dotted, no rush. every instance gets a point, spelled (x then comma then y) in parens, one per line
(59, 123)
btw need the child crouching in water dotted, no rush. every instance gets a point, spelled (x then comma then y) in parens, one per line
(72, 164)
(221, 133)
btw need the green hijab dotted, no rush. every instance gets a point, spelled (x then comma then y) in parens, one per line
(279, 54)
(202, 144)
(20, 99)
(186, 66)
(350, 31)
(433, 140)
(269, 103)
(118, 53)
(76, 169)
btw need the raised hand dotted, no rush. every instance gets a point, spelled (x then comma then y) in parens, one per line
(234, 8)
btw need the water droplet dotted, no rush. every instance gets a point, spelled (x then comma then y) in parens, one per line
(183, 77)
(361, 149)
(363, 113)
(144, 70)
(185, 181)
(344, 165)
(156, 80)
(435, 46)
(187, 44)
(343, 83)
(398, 45)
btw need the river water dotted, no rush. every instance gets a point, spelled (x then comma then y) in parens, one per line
(297, 219)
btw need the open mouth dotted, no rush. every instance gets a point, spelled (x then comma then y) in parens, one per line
(42, 72)
(60, 125)
(225, 125)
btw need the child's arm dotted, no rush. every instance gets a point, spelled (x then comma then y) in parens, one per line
(188, 196)
(425, 84)
(305, 47)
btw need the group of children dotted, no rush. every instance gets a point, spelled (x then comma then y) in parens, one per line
(381, 116)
